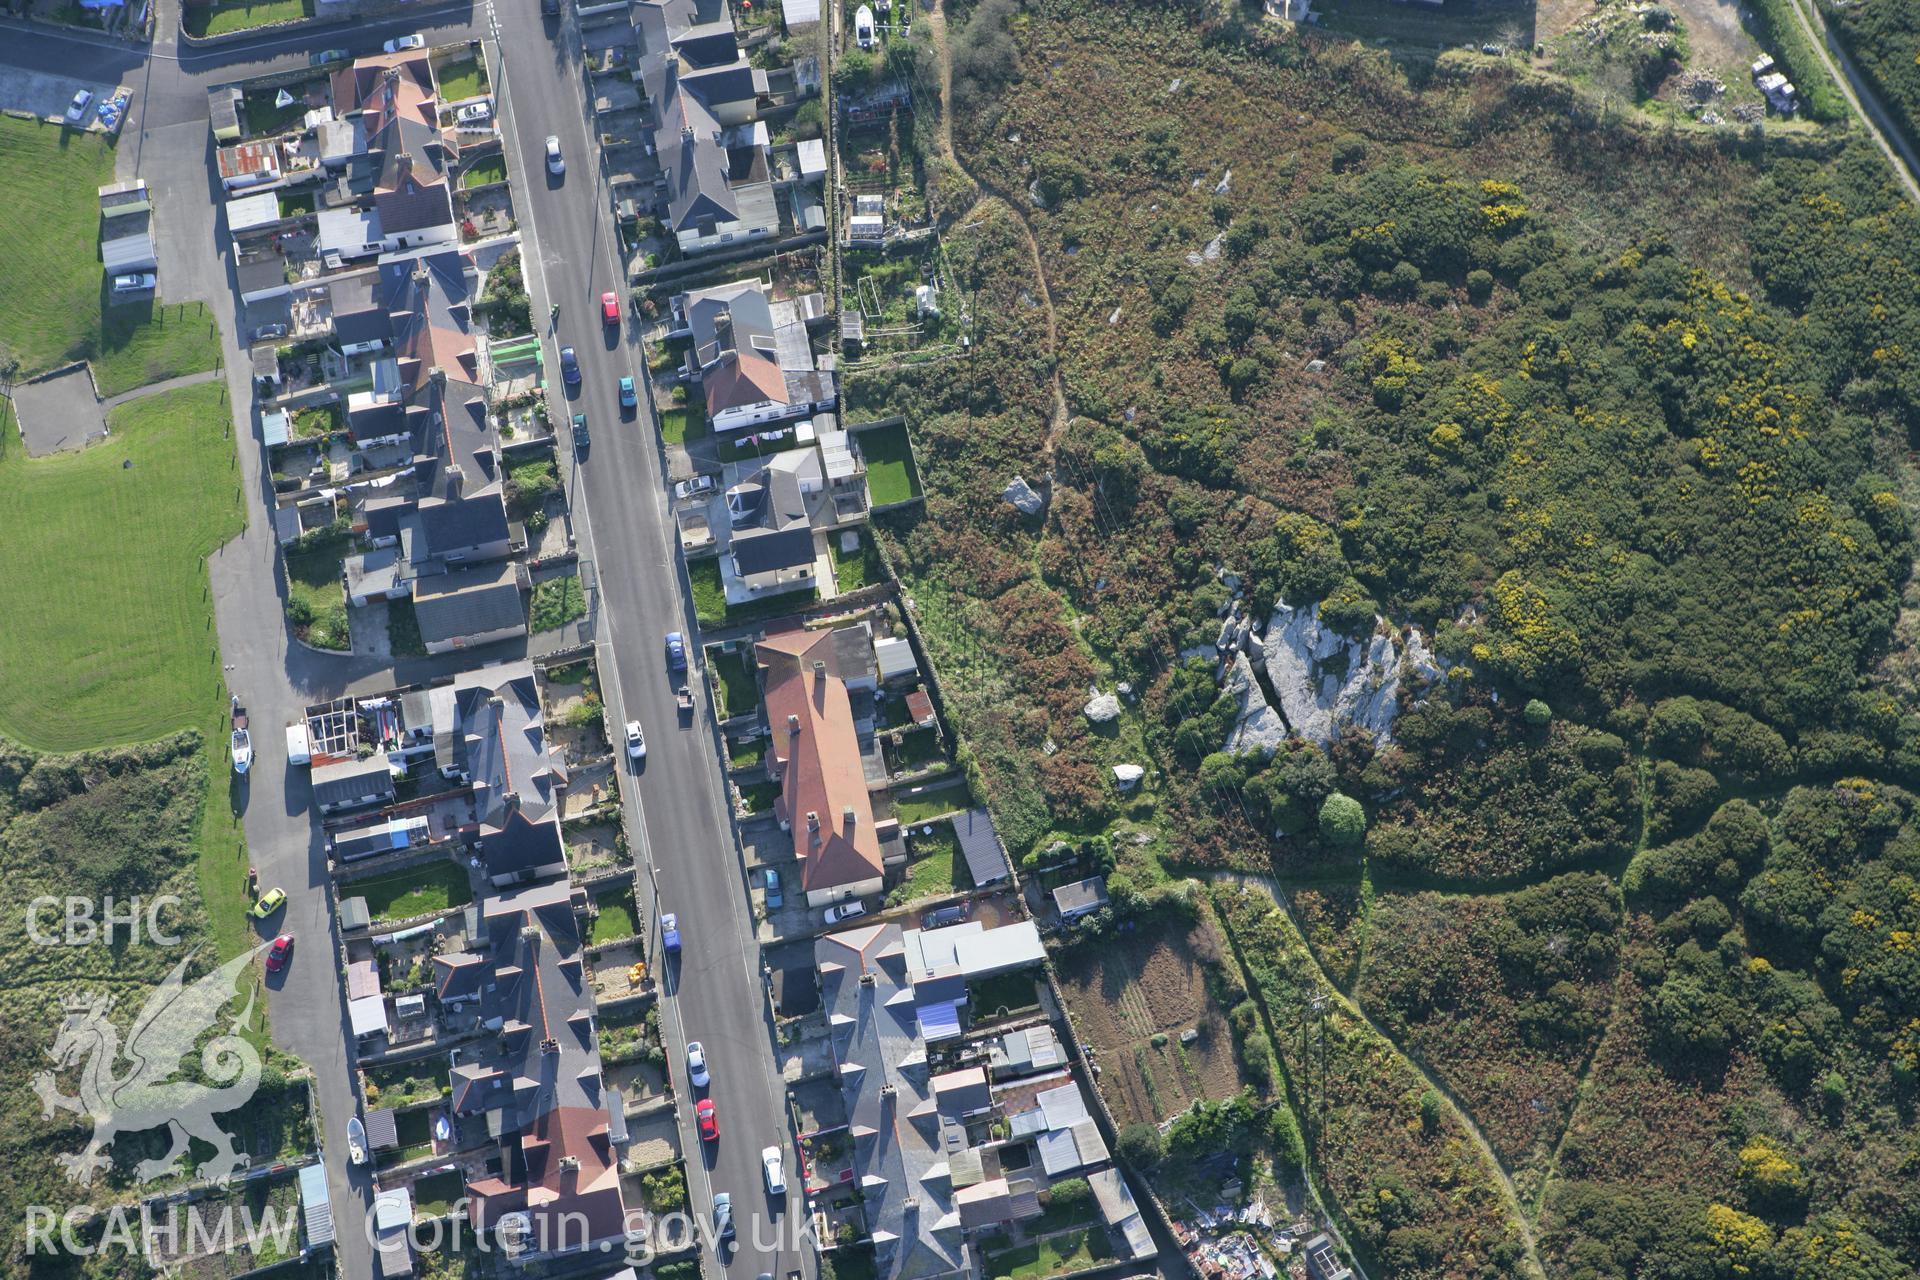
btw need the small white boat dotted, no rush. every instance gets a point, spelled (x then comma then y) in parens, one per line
(356, 1141)
(241, 744)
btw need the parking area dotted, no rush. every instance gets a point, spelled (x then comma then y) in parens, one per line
(60, 412)
(46, 93)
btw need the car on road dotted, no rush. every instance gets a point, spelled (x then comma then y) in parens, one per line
(708, 1117)
(77, 109)
(569, 367)
(610, 307)
(697, 1064)
(550, 7)
(270, 901)
(279, 953)
(845, 911)
(670, 932)
(676, 652)
(693, 488)
(325, 56)
(556, 163)
(628, 400)
(268, 332)
(582, 442)
(636, 742)
(402, 44)
(722, 1218)
(137, 282)
(771, 1167)
(771, 879)
(474, 113)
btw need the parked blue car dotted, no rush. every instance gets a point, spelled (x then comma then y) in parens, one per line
(628, 399)
(772, 881)
(569, 366)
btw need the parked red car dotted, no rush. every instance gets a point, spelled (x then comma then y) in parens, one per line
(279, 953)
(610, 308)
(709, 1120)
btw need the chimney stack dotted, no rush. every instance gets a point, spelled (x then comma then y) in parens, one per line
(793, 724)
(846, 820)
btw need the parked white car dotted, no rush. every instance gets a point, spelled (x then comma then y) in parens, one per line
(845, 911)
(636, 742)
(697, 1065)
(556, 163)
(138, 282)
(401, 44)
(77, 109)
(474, 113)
(776, 1175)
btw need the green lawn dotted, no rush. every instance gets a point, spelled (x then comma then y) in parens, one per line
(684, 425)
(403, 630)
(615, 920)
(759, 796)
(1009, 991)
(99, 649)
(432, 886)
(938, 868)
(262, 116)
(462, 80)
(918, 748)
(435, 1195)
(316, 420)
(860, 569)
(931, 804)
(397, 1086)
(890, 474)
(316, 595)
(52, 288)
(735, 450)
(484, 170)
(746, 754)
(220, 19)
(709, 593)
(1055, 1255)
(143, 342)
(558, 601)
(733, 674)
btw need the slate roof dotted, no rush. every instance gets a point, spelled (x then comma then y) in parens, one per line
(522, 844)
(980, 843)
(847, 651)
(457, 526)
(474, 602)
(690, 63)
(345, 781)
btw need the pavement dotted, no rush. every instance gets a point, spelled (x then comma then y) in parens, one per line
(715, 993)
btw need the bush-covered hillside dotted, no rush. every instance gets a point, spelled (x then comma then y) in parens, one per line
(1619, 419)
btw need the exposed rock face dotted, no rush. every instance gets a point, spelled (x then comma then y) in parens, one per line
(1256, 725)
(1022, 495)
(1102, 707)
(1127, 776)
(1326, 681)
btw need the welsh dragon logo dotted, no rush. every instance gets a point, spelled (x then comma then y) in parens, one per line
(144, 1093)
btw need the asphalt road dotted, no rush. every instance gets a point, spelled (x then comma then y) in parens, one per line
(714, 994)
(677, 811)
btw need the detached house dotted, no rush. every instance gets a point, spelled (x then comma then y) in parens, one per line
(814, 754)
(753, 367)
(706, 98)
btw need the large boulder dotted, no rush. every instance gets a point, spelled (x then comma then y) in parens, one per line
(1022, 495)
(1127, 776)
(1102, 708)
(1327, 681)
(1256, 725)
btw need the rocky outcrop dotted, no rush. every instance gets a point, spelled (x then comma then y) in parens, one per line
(1256, 725)
(1327, 682)
(1022, 495)
(1102, 708)
(1127, 776)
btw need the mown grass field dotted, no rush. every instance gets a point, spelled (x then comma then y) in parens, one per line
(51, 280)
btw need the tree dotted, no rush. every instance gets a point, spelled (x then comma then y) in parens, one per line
(1433, 1112)
(1343, 823)
(1772, 1181)
(1537, 713)
(1140, 1145)
(1289, 1150)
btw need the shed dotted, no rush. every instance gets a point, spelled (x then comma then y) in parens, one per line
(1080, 898)
(275, 427)
(866, 226)
(316, 1205)
(250, 213)
(798, 13)
(980, 843)
(383, 1130)
(223, 112)
(129, 253)
(121, 198)
(813, 158)
(354, 914)
(893, 658)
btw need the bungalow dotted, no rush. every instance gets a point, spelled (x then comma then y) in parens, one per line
(754, 366)
(343, 785)
(471, 608)
(1082, 897)
(771, 551)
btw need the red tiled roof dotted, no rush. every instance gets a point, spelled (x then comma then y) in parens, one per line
(743, 378)
(817, 759)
